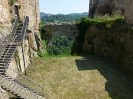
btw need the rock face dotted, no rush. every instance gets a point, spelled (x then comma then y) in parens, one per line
(116, 44)
(106, 7)
(129, 12)
(62, 29)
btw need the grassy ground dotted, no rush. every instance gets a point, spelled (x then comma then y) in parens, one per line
(76, 77)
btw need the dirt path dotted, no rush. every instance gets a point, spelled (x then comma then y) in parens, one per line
(78, 77)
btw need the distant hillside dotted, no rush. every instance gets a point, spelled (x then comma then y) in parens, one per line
(46, 18)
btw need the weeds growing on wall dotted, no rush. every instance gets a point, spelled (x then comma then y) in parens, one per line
(11, 2)
(102, 23)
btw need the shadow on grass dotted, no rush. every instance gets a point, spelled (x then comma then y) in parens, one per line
(118, 85)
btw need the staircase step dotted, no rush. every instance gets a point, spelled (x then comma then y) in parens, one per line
(9, 49)
(12, 45)
(12, 85)
(2, 70)
(5, 58)
(20, 28)
(40, 97)
(28, 94)
(22, 92)
(18, 31)
(2, 73)
(20, 24)
(3, 64)
(19, 89)
(6, 83)
(7, 54)
(16, 86)
(2, 67)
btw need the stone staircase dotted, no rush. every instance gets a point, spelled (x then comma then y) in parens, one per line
(11, 80)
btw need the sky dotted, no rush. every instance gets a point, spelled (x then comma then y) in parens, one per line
(64, 6)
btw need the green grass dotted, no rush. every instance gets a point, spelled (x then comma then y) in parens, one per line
(77, 77)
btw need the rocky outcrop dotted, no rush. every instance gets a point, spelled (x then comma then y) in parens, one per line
(106, 7)
(128, 11)
(114, 42)
(62, 29)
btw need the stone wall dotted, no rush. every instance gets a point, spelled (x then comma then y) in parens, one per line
(106, 7)
(62, 29)
(129, 12)
(115, 44)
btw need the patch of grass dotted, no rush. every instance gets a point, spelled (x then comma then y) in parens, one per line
(77, 77)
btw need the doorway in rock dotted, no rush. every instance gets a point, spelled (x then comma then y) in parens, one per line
(16, 9)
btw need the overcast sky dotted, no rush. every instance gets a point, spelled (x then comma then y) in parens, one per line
(64, 6)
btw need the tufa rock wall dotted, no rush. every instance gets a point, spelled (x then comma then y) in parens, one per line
(106, 7)
(114, 42)
(128, 11)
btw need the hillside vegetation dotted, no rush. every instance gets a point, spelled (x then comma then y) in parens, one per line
(49, 18)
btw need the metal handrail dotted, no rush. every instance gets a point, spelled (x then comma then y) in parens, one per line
(26, 21)
(24, 81)
(15, 24)
(7, 40)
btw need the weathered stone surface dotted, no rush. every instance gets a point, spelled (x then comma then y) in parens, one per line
(4, 12)
(117, 45)
(31, 9)
(129, 11)
(38, 42)
(92, 7)
(106, 7)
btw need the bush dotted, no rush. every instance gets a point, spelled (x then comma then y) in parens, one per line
(60, 45)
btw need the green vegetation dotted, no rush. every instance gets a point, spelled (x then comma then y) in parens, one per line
(112, 25)
(12, 20)
(60, 45)
(56, 46)
(61, 18)
(11, 2)
(19, 6)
